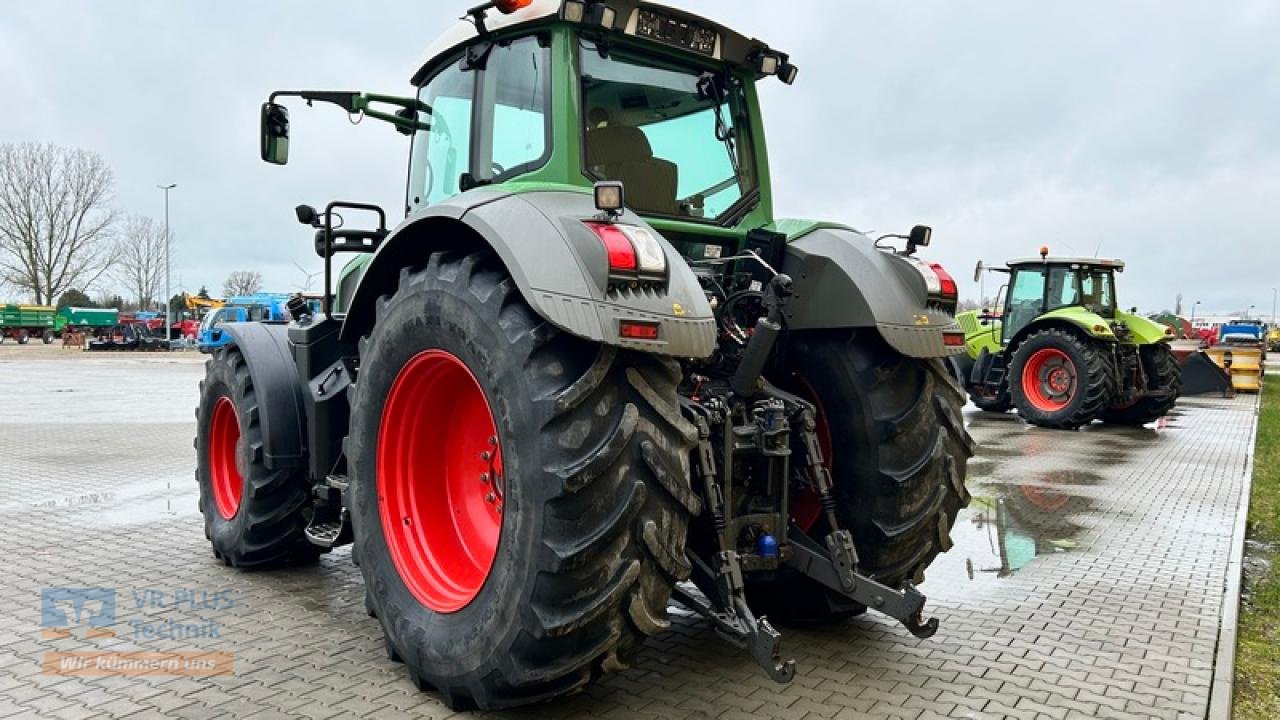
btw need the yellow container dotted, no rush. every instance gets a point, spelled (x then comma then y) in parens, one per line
(1246, 365)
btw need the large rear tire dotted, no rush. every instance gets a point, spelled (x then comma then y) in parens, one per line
(1058, 380)
(589, 458)
(893, 435)
(253, 516)
(1165, 380)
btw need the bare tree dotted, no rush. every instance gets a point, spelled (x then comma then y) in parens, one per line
(140, 259)
(242, 282)
(55, 218)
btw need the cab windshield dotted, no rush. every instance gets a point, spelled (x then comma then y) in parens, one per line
(676, 139)
(1091, 288)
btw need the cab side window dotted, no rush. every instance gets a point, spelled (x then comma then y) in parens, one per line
(489, 120)
(514, 111)
(1026, 297)
(442, 154)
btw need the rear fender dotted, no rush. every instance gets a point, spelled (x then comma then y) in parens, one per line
(281, 413)
(1091, 324)
(843, 281)
(1050, 321)
(557, 264)
(1145, 331)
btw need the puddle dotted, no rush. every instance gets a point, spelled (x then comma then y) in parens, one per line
(1008, 527)
(1258, 559)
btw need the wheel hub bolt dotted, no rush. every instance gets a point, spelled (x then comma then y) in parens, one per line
(484, 478)
(486, 456)
(490, 497)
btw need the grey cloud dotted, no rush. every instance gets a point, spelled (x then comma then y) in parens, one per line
(1148, 127)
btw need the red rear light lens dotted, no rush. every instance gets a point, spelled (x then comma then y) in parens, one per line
(635, 330)
(953, 339)
(949, 289)
(622, 254)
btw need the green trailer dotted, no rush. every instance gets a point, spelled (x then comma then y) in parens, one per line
(85, 319)
(22, 322)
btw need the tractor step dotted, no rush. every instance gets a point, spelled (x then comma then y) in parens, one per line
(330, 533)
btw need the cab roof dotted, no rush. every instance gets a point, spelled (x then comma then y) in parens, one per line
(1051, 260)
(721, 43)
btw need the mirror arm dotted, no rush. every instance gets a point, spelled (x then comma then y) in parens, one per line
(357, 102)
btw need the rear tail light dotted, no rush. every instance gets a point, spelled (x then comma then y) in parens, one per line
(953, 339)
(632, 250)
(946, 283)
(622, 254)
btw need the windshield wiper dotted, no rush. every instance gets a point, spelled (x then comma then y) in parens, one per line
(710, 87)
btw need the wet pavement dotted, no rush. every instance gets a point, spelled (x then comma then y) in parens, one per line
(1086, 580)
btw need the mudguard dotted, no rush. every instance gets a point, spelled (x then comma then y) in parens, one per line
(843, 280)
(275, 381)
(559, 266)
(1145, 330)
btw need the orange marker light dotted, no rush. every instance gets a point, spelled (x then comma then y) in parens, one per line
(506, 7)
(1044, 251)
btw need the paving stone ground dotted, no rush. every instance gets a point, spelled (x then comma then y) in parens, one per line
(1086, 580)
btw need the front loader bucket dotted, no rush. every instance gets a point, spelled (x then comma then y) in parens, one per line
(1201, 376)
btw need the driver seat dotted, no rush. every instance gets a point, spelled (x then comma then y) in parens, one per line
(618, 152)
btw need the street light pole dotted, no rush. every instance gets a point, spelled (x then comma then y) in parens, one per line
(1273, 307)
(168, 294)
(1193, 313)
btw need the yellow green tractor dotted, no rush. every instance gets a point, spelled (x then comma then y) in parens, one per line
(1060, 351)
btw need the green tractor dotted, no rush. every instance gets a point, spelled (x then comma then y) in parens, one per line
(1061, 352)
(590, 372)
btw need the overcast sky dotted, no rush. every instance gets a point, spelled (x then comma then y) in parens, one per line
(1150, 131)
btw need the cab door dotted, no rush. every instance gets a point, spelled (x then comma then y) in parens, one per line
(1026, 300)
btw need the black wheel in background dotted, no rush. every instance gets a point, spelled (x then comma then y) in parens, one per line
(1165, 378)
(893, 435)
(253, 516)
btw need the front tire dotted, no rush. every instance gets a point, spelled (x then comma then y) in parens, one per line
(1058, 380)
(253, 516)
(1165, 381)
(590, 455)
(892, 432)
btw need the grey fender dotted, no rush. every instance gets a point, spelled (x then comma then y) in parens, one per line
(843, 281)
(281, 413)
(557, 264)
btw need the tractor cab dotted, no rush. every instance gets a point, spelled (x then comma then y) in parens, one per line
(1045, 285)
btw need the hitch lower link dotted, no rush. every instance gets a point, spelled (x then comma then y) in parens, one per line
(835, 566)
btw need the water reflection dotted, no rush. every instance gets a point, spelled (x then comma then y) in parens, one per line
(1007, 526)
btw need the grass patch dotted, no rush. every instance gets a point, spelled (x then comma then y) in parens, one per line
(1257, 681)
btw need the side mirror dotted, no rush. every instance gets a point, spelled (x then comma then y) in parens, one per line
(274, 129)
(920, 236)
(977, 271)
(307, 215)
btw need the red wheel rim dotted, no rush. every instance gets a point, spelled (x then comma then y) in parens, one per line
(1049, 380)
(224, 473)
(440, 485)
(807, 507)
(1044, 498)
